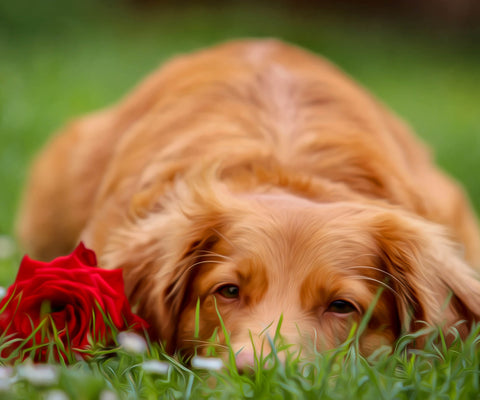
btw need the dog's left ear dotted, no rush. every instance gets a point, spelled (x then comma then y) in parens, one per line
(432, 280)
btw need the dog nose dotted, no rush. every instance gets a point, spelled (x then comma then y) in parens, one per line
(245, 360)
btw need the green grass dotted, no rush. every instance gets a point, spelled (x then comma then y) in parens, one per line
(436, 372)
(60, 59)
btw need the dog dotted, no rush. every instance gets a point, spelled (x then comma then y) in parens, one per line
(254, 183)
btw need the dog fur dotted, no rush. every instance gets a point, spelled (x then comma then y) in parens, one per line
(260, 166)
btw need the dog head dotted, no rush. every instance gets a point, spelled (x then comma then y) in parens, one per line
(206, 257)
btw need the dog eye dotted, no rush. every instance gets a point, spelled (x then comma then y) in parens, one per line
(229, 291)
(341, 307)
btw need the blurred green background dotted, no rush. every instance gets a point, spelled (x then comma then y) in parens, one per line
(60, 59)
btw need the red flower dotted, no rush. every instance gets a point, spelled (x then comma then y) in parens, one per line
(69, 295)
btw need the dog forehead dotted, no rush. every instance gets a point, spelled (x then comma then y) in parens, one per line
(291, 219)
(301, 234)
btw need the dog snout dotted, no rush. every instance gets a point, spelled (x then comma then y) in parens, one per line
(245, 360)
(265, 348)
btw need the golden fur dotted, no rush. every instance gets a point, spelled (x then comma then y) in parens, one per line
(256, 165)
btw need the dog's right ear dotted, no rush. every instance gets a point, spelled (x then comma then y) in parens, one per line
(158, 285)
(158, 252)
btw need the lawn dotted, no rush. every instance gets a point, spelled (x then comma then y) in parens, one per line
(60, 59)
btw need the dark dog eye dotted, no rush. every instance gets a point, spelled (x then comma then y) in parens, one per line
(341, 307)
(229, 291)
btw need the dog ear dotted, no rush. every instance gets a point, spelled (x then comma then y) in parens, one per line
(158, 249)
(432, 280)
(158, 287)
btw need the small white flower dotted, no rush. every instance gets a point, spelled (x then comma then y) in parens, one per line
(6, 378)
(156, 367)
(210, 363)
(132, 342)
(7, 246)
(108, 395)
(3, 292)
(39, 374)
(56, 395)
(6, 372)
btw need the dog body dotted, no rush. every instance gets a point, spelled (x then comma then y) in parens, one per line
(259, 180)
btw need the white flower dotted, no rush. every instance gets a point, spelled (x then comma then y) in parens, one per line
(108, 395)
(132, 342)
(56, 395)
(156, 367)
(210, 363)
(3, 292)
(6, 378)
(39, 374)
(6, 372)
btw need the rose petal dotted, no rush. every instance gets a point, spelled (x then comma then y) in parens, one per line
(27, 269)
(85, 256)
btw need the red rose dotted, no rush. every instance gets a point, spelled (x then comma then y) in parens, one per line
(69, 295)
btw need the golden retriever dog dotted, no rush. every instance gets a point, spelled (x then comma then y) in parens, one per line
(255, 182)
